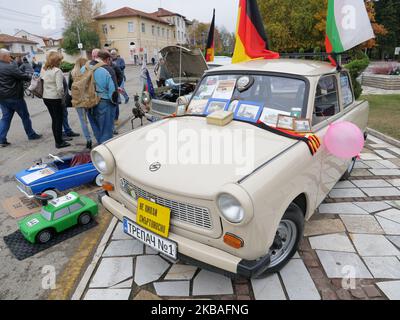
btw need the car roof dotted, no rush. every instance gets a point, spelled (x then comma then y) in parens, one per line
(64, 203)
(287, 66)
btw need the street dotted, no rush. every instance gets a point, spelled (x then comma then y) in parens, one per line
(23, 279)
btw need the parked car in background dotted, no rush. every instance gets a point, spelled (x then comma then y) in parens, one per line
(59, 175)
(250, 222)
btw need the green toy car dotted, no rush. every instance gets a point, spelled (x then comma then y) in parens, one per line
(58, 215)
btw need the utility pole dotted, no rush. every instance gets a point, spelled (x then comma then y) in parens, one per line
(80, 45)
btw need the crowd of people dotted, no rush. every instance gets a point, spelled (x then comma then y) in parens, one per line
(108, 70)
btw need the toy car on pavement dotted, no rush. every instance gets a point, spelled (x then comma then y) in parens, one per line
(57, 176)
(212, 213)
(58, 215)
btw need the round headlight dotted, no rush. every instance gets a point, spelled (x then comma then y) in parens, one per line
(230, 208)
(99, 162)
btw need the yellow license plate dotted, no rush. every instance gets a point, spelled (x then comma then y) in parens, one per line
(153, 217)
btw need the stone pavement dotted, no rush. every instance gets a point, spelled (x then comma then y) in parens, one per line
(350, 251)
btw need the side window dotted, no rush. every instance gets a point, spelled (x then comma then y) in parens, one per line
(347, 93)
(326, 99)
(75, 207)
(61, 213)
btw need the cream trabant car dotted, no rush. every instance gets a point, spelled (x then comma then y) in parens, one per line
(247, 222)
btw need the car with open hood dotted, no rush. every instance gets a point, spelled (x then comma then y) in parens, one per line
(234, 197)
(185, 68)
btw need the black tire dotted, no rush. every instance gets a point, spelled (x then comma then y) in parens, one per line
(349, 170)
(84, 219)
(44, 236)
(294, 216)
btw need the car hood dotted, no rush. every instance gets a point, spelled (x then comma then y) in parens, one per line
(190, 62)
(136, 152)
(33, 223)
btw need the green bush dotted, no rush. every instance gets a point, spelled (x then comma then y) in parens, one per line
(356, 67)
(66, 66)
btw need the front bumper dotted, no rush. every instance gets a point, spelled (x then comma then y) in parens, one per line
(29, 196)
(196, 253)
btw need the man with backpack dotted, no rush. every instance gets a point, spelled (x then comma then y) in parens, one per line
(95, 90)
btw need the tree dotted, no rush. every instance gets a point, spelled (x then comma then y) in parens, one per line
(88, 36)
(81, 10)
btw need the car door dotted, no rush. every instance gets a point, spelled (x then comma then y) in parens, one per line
(62, 219)
(327, 109)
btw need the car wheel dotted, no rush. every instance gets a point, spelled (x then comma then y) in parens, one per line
(349, 170)
(84, 219)
(44, 236)
(99, 180)
(51, 193)
(287, 240)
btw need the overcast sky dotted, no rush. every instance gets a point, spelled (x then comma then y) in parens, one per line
(30, 15)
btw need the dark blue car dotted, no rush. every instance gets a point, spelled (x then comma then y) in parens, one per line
(59, 175)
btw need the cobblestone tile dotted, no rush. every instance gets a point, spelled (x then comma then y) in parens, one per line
(145, 295)
(122, 248)
(269, 288)
(372, 291)
(149, 269)
(181, 272)
(346, 193)
(391, 289)
(119, 233)
(361, 173)
(392, 214)
(381, 192)
(361, 224)
(341, 208)
(374, 164)
(395, 150)
(344, 185)
(343, 294)
(388, 164)
(358, 293)
(384, 154)
(371, 183)
(124, 285)
(383, 267)
(360, 165)
(385, 172)
(112, 271)
(107, 294)
(332, 242)
(394, 182)
(370, 156)
(298, 282)
(335, 264)
(172, 288)
(373, 245)
(209, 283)
(395, 240)
(390, 227)
(373, 206)
(320, 227)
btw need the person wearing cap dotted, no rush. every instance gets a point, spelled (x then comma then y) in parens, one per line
(120, 63)
(12, 98)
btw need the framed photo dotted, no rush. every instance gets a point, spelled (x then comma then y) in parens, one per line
(197, 107)
(249, 111)
(216, 105)
(285, 122)
(270, 116)
(302, 125)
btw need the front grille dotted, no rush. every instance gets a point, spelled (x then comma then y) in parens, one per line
(187, 213)
(24, 187)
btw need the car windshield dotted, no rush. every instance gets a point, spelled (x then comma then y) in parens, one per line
(46, 214)
(252, 97)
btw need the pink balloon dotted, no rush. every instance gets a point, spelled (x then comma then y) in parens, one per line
(344, 140)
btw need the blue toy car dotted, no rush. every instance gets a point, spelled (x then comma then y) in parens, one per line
(59, 175)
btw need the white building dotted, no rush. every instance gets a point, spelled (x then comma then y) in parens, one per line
(179, 22)
(19, 46)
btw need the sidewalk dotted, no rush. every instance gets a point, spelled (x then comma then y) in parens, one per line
(356, 233)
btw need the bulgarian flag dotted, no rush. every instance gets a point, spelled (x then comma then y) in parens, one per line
(251, 40)
(347, 25)
(210, 50)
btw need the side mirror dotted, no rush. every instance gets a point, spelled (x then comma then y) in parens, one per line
(325, 110)
(182, 104)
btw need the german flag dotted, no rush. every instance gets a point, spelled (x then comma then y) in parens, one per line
(210, 49)
(251, 40)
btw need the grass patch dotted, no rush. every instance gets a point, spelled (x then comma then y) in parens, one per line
(384, 114)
